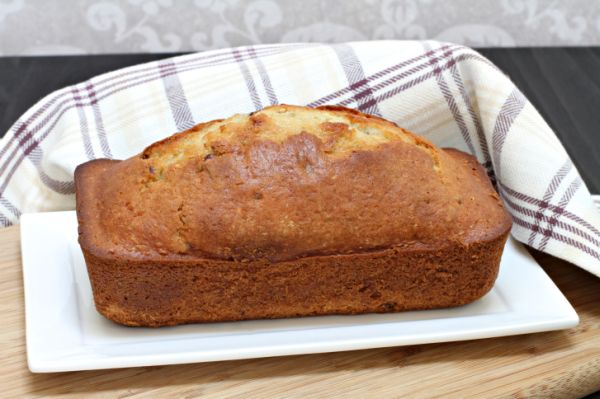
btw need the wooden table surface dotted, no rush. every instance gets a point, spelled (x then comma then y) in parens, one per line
(558, 364)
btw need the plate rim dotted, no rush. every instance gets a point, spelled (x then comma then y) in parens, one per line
(38, 364)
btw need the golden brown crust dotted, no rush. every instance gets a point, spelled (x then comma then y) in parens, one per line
(158, 293)
(277, 198)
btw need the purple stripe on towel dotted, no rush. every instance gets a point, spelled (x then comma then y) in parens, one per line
(83, 125)
(549, 194)
(355, 75)
(180, 109)
(562, 210)
(98, 120)
(569, 193)
(451, 101)
(512, 107)
(248, 80)
(264, 76)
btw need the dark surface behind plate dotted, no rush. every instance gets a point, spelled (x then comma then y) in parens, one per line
(563, 83)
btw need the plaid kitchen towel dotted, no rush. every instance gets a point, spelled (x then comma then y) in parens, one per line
(447, 93)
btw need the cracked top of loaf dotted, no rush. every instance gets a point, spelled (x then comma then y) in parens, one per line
(284, 183)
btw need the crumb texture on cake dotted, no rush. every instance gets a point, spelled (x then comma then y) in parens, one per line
(284, 183)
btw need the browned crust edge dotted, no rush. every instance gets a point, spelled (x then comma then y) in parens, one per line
(92, 169)
(156, 294)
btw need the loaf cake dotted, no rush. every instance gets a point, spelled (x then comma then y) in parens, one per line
(288, 211)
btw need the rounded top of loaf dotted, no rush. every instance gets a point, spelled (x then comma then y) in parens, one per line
(340, 130)
(284, 183)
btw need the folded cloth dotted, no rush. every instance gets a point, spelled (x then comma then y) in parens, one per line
(447, 93)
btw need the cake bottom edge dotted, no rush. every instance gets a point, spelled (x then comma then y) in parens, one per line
(165, 294)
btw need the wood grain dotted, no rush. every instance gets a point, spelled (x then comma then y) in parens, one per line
(558, 364)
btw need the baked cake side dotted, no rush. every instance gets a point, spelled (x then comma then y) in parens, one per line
(288, 211)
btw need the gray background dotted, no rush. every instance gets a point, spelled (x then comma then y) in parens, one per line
(29, 27)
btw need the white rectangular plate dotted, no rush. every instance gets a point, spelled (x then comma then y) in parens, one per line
(65, 333)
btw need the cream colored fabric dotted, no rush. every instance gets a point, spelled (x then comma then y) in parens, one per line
(448, 93)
